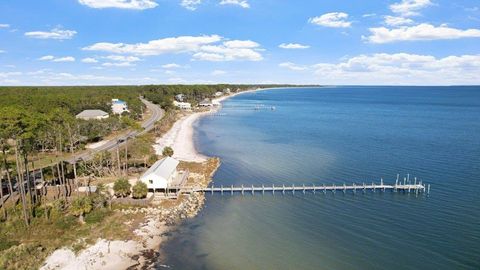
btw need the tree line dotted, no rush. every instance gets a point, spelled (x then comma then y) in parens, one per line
(42, 120)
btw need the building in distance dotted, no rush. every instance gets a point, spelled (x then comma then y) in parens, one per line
(119, 106)
(205, 103)
(182, 105)
(180, 97)
(92, 114)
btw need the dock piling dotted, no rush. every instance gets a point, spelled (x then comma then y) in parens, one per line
(414, 185)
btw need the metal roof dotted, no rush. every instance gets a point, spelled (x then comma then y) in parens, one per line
(91, 114)
(163, 169)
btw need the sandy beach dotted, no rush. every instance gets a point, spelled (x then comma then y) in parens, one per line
(180, 136)
(105, 254)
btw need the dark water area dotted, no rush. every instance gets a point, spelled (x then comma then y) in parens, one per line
(336, 135)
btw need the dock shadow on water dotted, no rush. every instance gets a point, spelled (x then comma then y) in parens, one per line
(346, 133)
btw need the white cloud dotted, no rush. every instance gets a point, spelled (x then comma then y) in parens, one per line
(368, 15)
(124, 4)
(9, 74)
(241, 3)
(64, 59)
(46, 58)
(190, 4)
(57, 59)
(53, 34)
(89, 60)
(122, 58)
(118, 64)
(4, 25)
(293, 46)
(419, 32)
(205, 48)
(401, 68)
(397, 21)
(241, 44)
(157, 47)
(409, 7)
(227, 53)
(171, 65)
(333, 19)
(292, 66)
(218, 72)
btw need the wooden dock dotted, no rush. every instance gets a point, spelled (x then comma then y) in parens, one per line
(405, 187)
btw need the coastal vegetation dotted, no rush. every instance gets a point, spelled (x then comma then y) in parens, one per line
(139, 190)
(121, 187)
(39, 192)
(167, 151)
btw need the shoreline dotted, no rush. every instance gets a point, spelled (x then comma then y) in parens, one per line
(181, 136)
(144, 251)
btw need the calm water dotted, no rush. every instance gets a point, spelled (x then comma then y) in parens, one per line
(329, 135)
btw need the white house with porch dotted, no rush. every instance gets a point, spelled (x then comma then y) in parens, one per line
(164, 175)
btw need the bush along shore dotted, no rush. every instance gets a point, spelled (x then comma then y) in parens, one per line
(135, 233)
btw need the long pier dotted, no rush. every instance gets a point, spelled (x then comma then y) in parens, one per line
(405, 187)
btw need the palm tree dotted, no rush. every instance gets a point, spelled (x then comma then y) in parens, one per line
(167, 151)
(139, 190)
(81, 206)
(121, 187)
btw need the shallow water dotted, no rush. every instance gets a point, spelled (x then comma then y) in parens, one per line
(332, 135)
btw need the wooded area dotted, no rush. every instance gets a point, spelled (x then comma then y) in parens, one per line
(36, 120)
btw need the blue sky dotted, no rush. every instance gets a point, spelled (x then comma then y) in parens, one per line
(85, 42)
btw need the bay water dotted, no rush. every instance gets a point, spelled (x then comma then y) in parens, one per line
(337, 135)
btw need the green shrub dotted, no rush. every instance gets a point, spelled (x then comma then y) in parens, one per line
(96, 216)
(167, 151)
(139, 190)
(6, 244)
(65, 223)
(81, 206)
(121, 187)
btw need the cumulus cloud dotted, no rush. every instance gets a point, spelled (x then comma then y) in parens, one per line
(401, 68)
(57, 59)
(208, 48)
(55, 33)
(292, 66)
(123, 4)
(4, 25)
(156, 47)
(190, 4)
(241, 3)
(397, 21)
(118, 64)
(171, 65)
(89, 60)
(122, 58)
(293, 46)
(333, 19)
(409, 7)
(422, 31)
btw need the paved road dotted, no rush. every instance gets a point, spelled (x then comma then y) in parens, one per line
(157, 114)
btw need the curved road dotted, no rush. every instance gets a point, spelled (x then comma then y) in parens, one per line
(157, 114)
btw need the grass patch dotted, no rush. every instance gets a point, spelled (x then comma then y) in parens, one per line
(97, 216)
(32, 245)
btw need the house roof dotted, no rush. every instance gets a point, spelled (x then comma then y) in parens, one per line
(163, 168)
(205, 101)
(91, 114)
